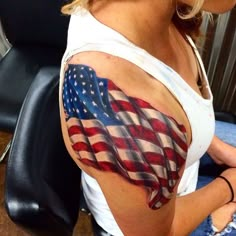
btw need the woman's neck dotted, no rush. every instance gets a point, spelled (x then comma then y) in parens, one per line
(146, 23)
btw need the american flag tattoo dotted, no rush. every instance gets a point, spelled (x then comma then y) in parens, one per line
(111, 131)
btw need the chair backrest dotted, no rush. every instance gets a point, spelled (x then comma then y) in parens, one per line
(42, 190)
(37, 32)
(34, 22)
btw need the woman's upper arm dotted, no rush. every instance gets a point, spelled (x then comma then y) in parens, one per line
(135, 152)
(128, 204)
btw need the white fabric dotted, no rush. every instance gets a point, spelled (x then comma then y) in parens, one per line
(87, 34)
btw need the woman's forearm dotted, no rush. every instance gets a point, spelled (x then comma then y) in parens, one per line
(193, 208)
(222, 153)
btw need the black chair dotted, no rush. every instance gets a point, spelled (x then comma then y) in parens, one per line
(37, 33)
(42, 185)
(42, 190)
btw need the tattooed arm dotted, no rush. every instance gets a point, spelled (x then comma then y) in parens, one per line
(127, 201)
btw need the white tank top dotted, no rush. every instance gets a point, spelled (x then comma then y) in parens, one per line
(87, 34)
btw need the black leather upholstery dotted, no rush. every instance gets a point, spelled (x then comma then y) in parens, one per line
(37, 32)
(42, 182)
(226, 117)
(17, 71)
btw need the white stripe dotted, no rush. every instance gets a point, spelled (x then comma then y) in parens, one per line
(78, 138)
(131, 118)
(167, 142)
(117, 95)
(173, 165)
(130, 155)
(72, 122)
(100, 138)
(145, 176)
(90, 123)
(118, 131)
(105, 157)
(146, 146)
(86, 155)
(151, 113)
(160, 171)
(101, 156)
(92, 139)
(167, 193)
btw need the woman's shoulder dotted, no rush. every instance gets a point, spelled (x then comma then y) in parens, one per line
(105, 65)
(133, 82)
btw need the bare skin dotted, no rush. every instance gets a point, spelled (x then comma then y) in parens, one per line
(132, 19)
(223, 153)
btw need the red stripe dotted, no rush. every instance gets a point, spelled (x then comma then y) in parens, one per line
(143, 133)
(154, 158)
(102, 147)
(89, 162)
(119, 105)
(75, 129)
(179, 141)
(146, 183)
(142, 104)
(94, 131)
(134, 166)
(174, 156)
(159, 126)
(125, 143)
(81, 146)
(174, 175)
(105, 165)
(112, 86)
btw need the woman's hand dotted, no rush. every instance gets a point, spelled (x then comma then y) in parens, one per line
(222, 153)
(224, 215)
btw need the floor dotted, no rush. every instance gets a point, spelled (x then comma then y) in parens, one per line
(7, 227)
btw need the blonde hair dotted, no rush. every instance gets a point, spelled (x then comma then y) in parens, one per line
(187, 19)
(189, 12)
(192, 12)
(70, 7)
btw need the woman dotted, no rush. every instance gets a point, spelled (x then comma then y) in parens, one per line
(136, 114)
